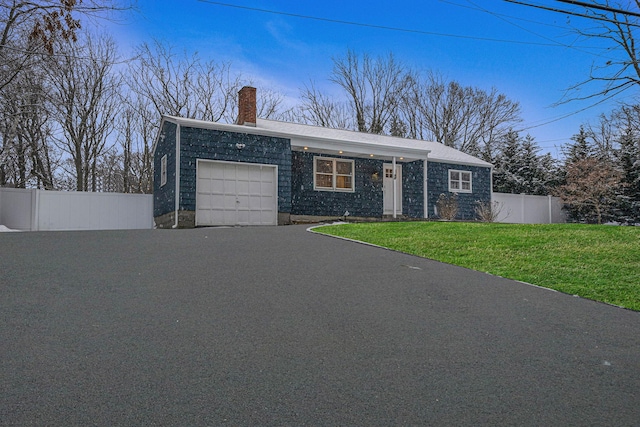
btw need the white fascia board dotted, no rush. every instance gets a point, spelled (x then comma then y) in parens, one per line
(202, 124)
(332, 146)
(479, 163)
(155, 140)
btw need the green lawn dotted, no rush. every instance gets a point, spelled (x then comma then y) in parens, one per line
(594, 261)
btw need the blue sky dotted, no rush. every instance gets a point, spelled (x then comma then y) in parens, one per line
(528, 54)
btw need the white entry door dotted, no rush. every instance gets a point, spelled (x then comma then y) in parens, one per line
(230, 193)
(387, 189)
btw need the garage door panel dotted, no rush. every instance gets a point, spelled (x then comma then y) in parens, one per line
(256, 174)
(242, 202)
(204, 202)
(242, 173)
(216, 186)
(214, 173)
(256, 217)
(230, 186)
(229, 202)
(267, 188)
(242, 187)
(215, 217)
(255, 201)
(236, 194)
(243, 218)
(255, 187)
(204, 186)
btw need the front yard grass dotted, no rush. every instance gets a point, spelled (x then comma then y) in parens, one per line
(598, 262)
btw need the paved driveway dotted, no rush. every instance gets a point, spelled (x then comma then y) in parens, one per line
(278, 326)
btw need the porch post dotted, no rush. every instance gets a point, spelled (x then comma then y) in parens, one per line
(395, 182)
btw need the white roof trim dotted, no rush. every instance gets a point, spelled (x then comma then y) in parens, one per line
(327, 140)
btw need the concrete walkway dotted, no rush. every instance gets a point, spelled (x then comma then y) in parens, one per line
(278, 326)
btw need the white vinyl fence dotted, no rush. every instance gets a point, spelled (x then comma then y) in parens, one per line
(40, 210)
(526, 209)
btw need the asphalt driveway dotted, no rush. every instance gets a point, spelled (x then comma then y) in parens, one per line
(279, 326)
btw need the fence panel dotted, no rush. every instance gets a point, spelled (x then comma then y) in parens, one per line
(526, 209)
(40, 210)
(16, 208)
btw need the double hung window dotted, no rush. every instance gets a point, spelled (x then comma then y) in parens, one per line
(460, 181)
(333, 174)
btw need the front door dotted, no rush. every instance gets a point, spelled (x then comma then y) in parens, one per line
(387, 189)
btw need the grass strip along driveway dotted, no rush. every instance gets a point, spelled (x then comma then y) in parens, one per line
(593, 261)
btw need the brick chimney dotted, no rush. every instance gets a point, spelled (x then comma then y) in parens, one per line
(247, 107)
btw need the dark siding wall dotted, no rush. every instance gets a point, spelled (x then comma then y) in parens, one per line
(412, 189)
(164, 197)
(218, 145)
(366, 201)
(438, 182)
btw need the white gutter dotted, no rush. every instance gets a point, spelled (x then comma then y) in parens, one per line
(177, 195)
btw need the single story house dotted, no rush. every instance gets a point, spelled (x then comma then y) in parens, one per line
(265, 172)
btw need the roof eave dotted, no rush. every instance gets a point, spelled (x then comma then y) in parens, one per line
(298, 142)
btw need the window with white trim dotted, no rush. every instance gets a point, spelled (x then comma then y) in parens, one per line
(163, 170)
(460, 181)
(333, 174)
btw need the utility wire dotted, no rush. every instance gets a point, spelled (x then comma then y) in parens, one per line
(564, 116)
(521, 27)
(406, 30)
(568, 12)
(380, 27)
(568, 46)
(501, 15)
(601, 7)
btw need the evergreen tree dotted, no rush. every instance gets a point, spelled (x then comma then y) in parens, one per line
(628, 157)
(520, 169)
(505, 176)
(531, 171)
(580, 149)
(552, 172)
(575, 154)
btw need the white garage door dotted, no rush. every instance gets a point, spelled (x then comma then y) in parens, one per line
(236, 193)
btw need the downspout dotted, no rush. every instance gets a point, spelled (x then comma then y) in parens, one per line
(395, 191)
(491, 186)
(177, 194)
(425, 188)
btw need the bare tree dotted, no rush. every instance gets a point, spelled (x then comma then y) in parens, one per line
(318, 109)
(384, 96)
(590, 189)
(25, 132)
(183, 85)
(466, 118)
(619, 68)
(83, 93)
(31, 34)
(136, 126)
(374, 88)
(30, 28)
